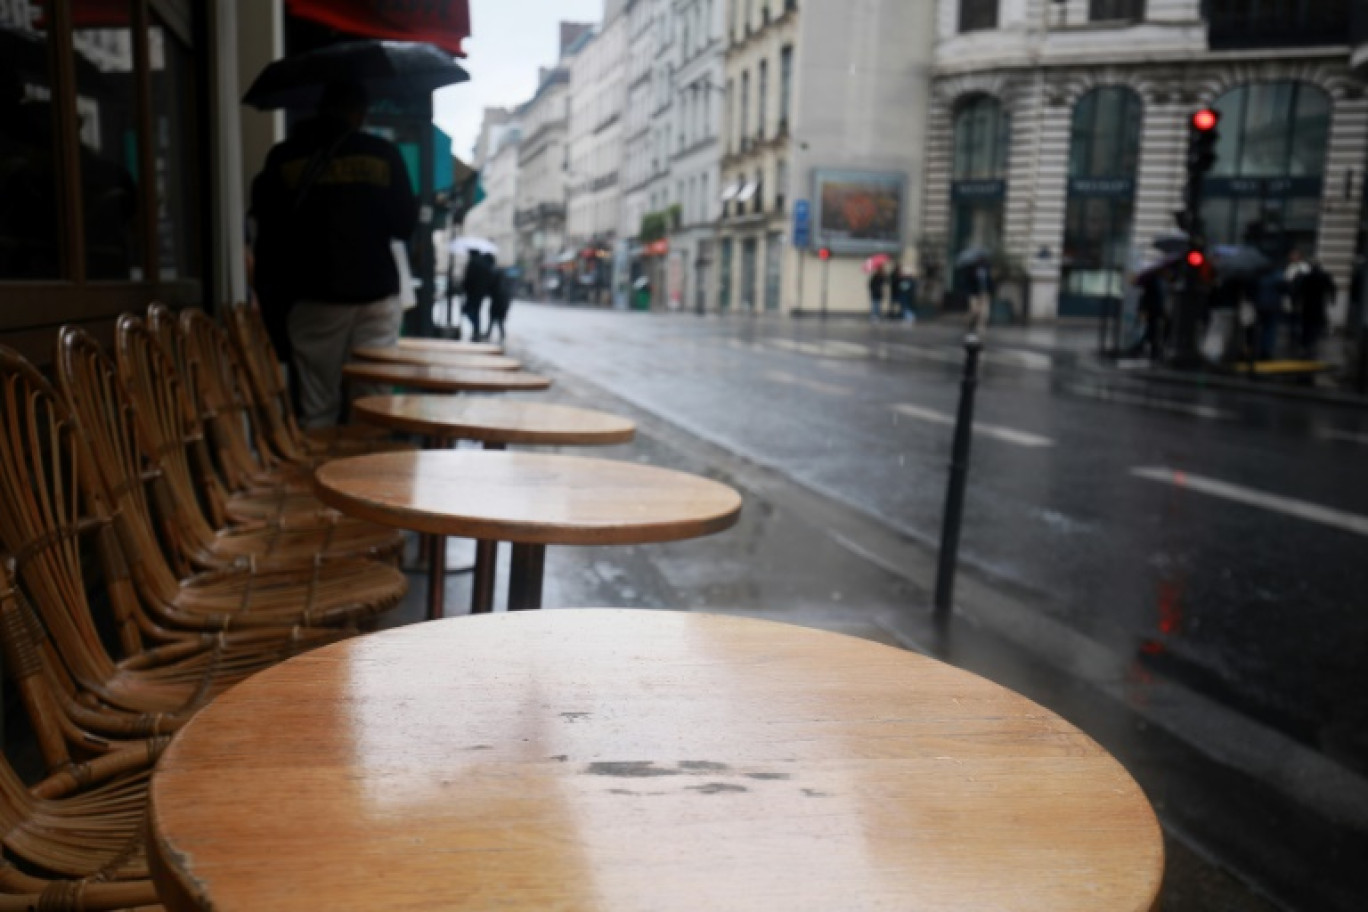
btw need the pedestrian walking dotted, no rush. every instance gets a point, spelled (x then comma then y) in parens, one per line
(980, 288)
(328, 204)
(1268, 291)
(1152, 314)
(905, 292)
(878, 284)
(1313, 291)
(500, 300)
(1297, 267)
(477, 282)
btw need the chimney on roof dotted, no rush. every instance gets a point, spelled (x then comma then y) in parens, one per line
(570, 32)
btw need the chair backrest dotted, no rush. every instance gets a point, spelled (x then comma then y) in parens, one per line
(49, 502)
(108, 419)
(270, 393)
(172, 439)
(220, 382)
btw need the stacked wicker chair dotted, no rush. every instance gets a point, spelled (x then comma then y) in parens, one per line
(173, 443)
(298, 586)
(283, 436)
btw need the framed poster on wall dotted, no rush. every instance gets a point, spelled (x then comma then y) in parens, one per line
(859, 212)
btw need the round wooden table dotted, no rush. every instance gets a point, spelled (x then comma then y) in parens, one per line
(398, 355)
(444, 379)
(623, 760)
(496, 423)
(530, 499)
(451, 346)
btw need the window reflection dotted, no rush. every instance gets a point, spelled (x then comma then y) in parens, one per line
(28, 199)
(106, 95)
(173, 140)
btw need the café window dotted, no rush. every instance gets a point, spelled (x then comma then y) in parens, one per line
(1276, 23)
(100, 169)
(1103, 154)
(1267, 182)
(978, 185)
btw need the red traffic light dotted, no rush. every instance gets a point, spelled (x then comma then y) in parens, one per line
(1196, 259)
(824, 254)
(1205, 120)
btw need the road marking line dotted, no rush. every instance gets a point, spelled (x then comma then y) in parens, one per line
(1346, 436)
(827, 348)
(1339, 519)
(997, 432)
(815, 385)
(1197, 410)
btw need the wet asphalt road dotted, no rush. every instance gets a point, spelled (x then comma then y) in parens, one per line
(1200, 543)
(1259, 608)
(1178, 571)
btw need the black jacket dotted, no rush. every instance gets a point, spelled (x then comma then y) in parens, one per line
(329, 240)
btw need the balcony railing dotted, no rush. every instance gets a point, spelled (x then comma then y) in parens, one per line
(1263, 24)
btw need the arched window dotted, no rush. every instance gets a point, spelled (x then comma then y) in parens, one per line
(1103, 152)
(981, 134)
(1270, 163)
(978, 185)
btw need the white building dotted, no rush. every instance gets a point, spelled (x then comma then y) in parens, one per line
(696, 159)
(598, 85)
(1058, 136)
(493, 217)
(540, 212)
(825, 112)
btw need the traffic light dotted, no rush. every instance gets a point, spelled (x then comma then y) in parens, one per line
(1196, 258)
(1201, 157)
(824, 253)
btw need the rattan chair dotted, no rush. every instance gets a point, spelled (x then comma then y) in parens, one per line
(55, 524)
(246, 593)
(271, 397)
(173, 443)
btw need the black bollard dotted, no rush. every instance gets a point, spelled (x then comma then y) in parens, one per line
(959, 473)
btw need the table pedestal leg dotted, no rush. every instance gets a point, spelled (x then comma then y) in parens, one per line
(525, 577)
(436, 577)
(482, 584)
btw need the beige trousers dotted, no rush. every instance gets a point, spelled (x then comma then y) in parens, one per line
(323, 336)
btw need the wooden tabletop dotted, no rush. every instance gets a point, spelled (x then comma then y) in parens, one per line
(530, 498)
(437, 358)
(451, 346)
(495, 420)
(444, 379)
(625, 760)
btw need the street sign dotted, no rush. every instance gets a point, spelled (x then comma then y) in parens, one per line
(802, 224)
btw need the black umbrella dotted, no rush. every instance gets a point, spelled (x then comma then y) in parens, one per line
(971, 255)
(388, 69)
(1239, 261)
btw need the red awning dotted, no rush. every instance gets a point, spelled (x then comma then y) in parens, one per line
(444, 23)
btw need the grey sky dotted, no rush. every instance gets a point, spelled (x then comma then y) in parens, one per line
(510, 39)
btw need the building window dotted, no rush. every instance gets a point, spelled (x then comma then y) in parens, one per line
(731, 124)
(981, 134)
(785, 86)
(762, 102)
(1116, 10)
(978, 187)
(1267, 182)
(724, 276)
(1103, 154)
(1276, 23)
(780, 185)
(745, 111)
(975, 15)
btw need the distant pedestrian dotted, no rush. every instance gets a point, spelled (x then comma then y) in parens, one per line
(905, 292)
(1267, 295)
(878, 284)
(1152, 313)
(980, 288)
(500, 299)
(479, 276)
(1313, 291)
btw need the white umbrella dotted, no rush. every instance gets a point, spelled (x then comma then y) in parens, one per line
(471, 244)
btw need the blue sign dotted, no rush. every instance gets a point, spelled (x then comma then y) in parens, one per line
(802, 224)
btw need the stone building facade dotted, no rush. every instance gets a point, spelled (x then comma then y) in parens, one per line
(1058, 131)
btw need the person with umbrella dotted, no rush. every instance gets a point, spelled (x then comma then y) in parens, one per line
(328, 204)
